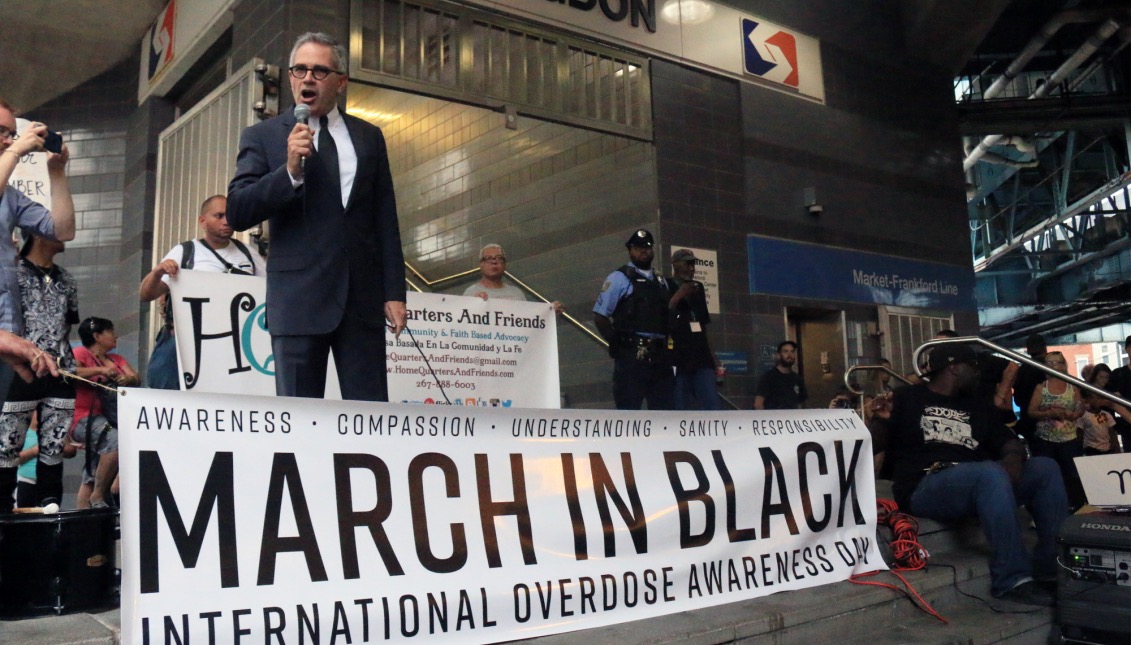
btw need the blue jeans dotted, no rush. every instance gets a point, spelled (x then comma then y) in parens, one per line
(696, 390)
(982, 489)
(1064, 453)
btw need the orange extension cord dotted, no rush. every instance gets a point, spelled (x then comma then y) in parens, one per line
(909, 554)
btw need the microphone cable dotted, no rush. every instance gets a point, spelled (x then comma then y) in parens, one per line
(428, 365)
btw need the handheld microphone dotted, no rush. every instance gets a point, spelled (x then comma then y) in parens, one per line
(302, 115)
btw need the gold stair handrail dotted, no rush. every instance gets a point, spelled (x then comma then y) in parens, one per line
(576, 323)
(848, 383)
(1024, 360)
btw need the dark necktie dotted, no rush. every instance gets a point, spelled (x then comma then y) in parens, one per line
(328, 151)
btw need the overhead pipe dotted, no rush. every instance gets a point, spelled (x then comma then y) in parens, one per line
(1024, 145)
(1105, 31)
(1124, 40)
(1037, 42)
(1001, 160)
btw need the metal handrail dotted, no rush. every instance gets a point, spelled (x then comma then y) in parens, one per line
(848, 383)
(455, 276)
(732, 404)
(1024, 360)
(432, 283)
(576, 323)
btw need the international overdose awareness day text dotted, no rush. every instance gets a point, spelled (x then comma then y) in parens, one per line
(277, 520)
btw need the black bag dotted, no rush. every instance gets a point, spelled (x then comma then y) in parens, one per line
(109, 400)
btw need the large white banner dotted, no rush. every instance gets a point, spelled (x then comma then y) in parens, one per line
(254, 519)
(496, 353)
(458, 351)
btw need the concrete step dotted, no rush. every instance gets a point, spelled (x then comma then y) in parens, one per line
(972, 624)
(843, 611)
(73, 629)
(938, 537)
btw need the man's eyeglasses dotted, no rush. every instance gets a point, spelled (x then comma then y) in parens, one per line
(494, 258)
(5, 133)
(320, 73)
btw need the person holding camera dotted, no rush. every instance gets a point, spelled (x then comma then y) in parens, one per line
(844, 399)
(18, 210)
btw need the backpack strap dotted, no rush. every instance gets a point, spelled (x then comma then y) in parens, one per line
(188, 259)
(228, 266)
(188, 255)
(247, 252)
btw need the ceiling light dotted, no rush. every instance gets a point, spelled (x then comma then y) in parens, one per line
(689, 12)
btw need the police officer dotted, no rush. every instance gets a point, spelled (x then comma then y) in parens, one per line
(632, 314)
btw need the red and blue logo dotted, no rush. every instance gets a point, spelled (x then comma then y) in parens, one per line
(769, 52)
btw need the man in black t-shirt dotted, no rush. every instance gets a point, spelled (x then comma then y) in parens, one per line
(695, 365)
(1027, 380)
(952, 458)
(781, 388)
(1120, 381)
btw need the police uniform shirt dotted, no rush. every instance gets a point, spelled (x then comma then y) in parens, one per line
(616, 288)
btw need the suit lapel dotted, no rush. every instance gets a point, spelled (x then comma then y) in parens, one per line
(353, 125)
(286, 124)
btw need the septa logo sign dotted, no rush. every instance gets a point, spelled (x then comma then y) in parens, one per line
(769, 52)
(160, 40)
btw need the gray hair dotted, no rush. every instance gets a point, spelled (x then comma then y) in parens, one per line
(483, 251)
(338, 52)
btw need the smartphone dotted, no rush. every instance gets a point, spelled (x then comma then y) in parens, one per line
(53, 142)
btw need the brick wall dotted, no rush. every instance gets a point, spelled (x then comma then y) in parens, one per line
(560, 200)
(94, 119)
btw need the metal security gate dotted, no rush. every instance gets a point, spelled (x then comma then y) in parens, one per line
(196, 158)
(472, 56)
(906, 329)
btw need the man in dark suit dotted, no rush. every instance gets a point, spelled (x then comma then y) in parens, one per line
(335, 260)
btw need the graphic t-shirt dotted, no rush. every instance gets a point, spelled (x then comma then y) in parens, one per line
(926, 427)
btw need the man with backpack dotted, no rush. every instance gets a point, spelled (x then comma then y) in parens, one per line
(217, 251)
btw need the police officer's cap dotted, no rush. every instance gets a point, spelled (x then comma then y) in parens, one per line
(640, 237)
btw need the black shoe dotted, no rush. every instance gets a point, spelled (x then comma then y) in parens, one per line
(1030, 593)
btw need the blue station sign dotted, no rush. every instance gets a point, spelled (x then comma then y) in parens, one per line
(803, 270)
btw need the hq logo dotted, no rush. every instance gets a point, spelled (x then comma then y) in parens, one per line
(769, 53)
